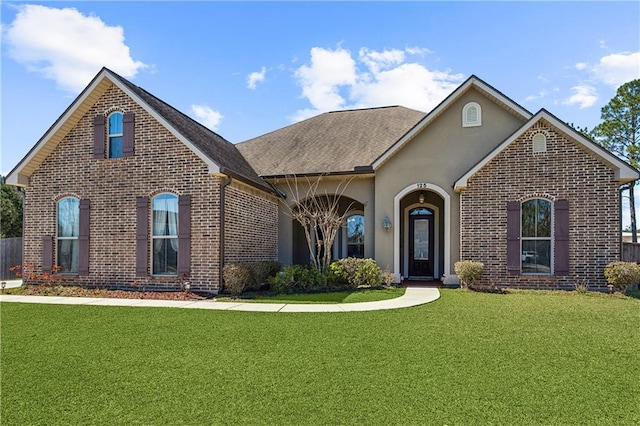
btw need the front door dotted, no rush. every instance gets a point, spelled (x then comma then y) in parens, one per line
(421, 243)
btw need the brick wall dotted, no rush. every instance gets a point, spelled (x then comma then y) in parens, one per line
(565, 171)
(161, 163)
(251, 224)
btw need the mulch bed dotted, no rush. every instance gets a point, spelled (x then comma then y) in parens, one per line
(70, 291)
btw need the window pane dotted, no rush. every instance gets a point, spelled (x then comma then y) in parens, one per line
(68, 256)
(536, 218)
(165, 256)
(420, 211)
(536, 256)
(115, 147)
(68, 217)
(165, 215)
(421, 239)
(355, 229)
(355, 250)
(115, 124)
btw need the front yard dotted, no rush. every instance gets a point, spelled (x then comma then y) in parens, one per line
(468, 358)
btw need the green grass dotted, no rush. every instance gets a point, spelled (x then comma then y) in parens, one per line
(468, 358)
(333, 297)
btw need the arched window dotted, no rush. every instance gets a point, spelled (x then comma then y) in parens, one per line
(115, 133)
(164, 234)
(537, 223)
(355, 235)
(539, 143)
(68, 229)
(471, 115)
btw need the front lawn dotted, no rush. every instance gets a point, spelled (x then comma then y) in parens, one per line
(468, 358)
(355, 296)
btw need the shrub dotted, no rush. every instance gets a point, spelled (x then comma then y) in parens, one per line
(236, 277)
(622, 274)
(298, 279)
(357, 272)
(261, 272)
(468, 271)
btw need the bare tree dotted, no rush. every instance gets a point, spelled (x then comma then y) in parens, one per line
(319, 214)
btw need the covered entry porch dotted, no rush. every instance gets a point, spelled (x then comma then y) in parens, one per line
(421, 241)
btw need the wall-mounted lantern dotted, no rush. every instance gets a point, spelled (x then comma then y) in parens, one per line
(386, 223)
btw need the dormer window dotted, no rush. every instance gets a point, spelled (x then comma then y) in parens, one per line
(472, 115)
(115, 135)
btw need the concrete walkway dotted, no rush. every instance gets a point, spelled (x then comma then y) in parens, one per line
(413, 296)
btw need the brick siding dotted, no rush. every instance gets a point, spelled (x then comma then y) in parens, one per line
(161, 163)
(565, 171)
(251, 225)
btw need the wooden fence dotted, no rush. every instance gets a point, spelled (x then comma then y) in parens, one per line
(10, 255)
(631, 252)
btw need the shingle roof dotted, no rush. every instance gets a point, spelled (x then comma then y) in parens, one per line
(222, 152)
(331, 142)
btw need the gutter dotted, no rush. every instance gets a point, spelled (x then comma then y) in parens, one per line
(264, 187)
(358, 170)
(223, 185)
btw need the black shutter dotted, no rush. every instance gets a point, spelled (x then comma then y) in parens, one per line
(47, 253)
(128, 133)
(142, 235)
(513, 237)
(184, 234)
(561, 236)
(98, 136)
(83, 239)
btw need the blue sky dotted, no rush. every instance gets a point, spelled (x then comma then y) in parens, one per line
(247, 68)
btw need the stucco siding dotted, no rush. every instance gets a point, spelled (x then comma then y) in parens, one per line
(439, 155)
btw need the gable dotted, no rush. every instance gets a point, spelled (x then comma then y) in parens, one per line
(218, 154)
(622, 171)
(472, 83)
(445, 149)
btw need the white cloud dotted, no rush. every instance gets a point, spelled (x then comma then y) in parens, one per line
(618, 68)
(66, 46)
(207, 116)
(541, 94)
(321, 81)
(603, 44)
(581, 65)
(584, 96)
(335, 80)
(256, 77)
(377, 61)
(422, 51)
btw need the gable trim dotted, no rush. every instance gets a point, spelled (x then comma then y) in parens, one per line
(472, 81)
(623, 172)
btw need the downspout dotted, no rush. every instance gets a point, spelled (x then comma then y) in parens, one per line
(223, 185)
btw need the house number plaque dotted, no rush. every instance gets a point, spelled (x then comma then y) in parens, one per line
(422, 185)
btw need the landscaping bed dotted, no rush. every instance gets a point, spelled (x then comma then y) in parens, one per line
(74, 291)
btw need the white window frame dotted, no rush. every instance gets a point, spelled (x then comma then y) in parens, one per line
(59, 238)
(162, 237)
(465, 119)
(113, 135)
(550, 238)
